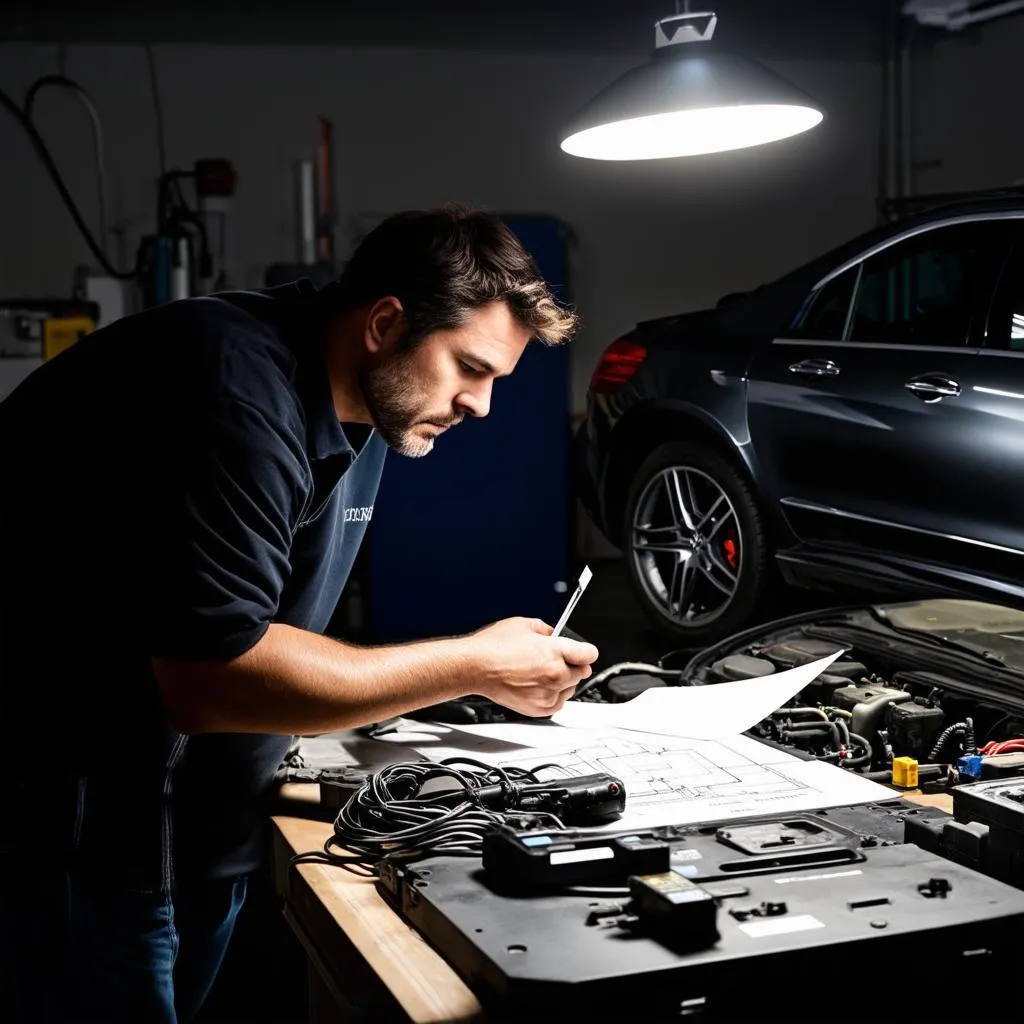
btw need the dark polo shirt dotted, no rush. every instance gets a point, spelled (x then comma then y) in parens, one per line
(169, 486)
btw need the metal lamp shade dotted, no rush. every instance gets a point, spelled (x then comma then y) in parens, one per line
(688, 104)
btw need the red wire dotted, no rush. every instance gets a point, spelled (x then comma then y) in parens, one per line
(1007, 747)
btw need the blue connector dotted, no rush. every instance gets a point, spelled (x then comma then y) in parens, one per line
(969, 766)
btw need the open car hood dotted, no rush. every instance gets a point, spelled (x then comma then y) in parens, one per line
(940, 682)
(981, 645)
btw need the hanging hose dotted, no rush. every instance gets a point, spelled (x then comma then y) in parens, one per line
(811, 728)
(844, 732)
(45, 156)
(789, 712)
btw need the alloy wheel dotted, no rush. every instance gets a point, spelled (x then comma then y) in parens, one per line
(687, 545)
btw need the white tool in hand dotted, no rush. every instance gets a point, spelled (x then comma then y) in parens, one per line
(585, 578)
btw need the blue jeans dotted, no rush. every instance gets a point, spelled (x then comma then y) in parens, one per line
(79, 949)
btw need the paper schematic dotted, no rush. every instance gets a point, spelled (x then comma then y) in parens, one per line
(669, 780)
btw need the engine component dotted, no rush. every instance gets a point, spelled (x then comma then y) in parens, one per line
(742, 666)
(904, 772)
(849, 697)
(1002, 766)
(968, 769)
(626, 687)
(867, 704)
(800, 651)
(820, 690)
(848, 669)
(913, 727)
(791, 653)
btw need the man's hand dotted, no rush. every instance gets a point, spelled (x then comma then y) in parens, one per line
(527, 669)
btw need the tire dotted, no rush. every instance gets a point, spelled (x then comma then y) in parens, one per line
(728, 551)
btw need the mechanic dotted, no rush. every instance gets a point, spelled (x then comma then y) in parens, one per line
(182, 496)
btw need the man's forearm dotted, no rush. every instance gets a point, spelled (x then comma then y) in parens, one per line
(294, 681)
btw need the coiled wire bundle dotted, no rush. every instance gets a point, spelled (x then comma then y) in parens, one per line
(392, 816)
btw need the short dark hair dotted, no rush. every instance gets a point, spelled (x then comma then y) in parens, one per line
(441, 265)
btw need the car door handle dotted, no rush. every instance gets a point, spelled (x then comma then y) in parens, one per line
(815, 368)
(931, 387)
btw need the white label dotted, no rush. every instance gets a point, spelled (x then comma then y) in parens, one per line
(686, 855)
(575, 856)
(781, 925)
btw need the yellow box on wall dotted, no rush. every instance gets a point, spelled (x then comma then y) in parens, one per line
(61, 332)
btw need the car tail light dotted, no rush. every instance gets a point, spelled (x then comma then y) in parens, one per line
(621, 359)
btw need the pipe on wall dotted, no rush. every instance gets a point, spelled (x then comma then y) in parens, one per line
(906, 110)
(888, 183)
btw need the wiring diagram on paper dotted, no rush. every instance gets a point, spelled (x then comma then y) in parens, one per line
(676, 770)
(668, 779)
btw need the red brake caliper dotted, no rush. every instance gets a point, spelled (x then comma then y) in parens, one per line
(732, 549)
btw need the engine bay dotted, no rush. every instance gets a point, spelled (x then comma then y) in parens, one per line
(933, 685)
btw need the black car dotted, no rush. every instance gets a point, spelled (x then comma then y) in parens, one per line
(857, 422)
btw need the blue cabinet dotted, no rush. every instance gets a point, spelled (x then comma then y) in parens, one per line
(479, 529)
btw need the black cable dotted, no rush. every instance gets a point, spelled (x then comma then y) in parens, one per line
(158, 110)
(97, 134)
(44, 155)
(391, 817)
(186, 214)
(963, 730)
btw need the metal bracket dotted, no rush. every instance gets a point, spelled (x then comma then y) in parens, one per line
(684, 28)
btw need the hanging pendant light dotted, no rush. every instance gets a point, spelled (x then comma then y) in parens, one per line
(687, 100)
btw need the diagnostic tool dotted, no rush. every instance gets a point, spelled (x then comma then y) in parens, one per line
(525, 861)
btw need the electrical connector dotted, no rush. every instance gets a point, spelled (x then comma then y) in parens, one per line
(904, 772)
(969, 766)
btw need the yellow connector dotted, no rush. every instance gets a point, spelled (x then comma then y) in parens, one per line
(904, 772)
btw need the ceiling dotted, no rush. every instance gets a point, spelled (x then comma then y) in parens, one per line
(769, 29)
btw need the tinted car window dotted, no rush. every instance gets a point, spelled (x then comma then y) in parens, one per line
(828, 309)
(932, 289)
(1006, 321)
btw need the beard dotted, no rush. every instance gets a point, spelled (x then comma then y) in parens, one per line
(397, 405)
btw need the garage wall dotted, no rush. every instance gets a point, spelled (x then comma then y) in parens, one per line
(420, 127)
(967, 107)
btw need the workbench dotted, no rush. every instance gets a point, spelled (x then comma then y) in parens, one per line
(364, 961)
